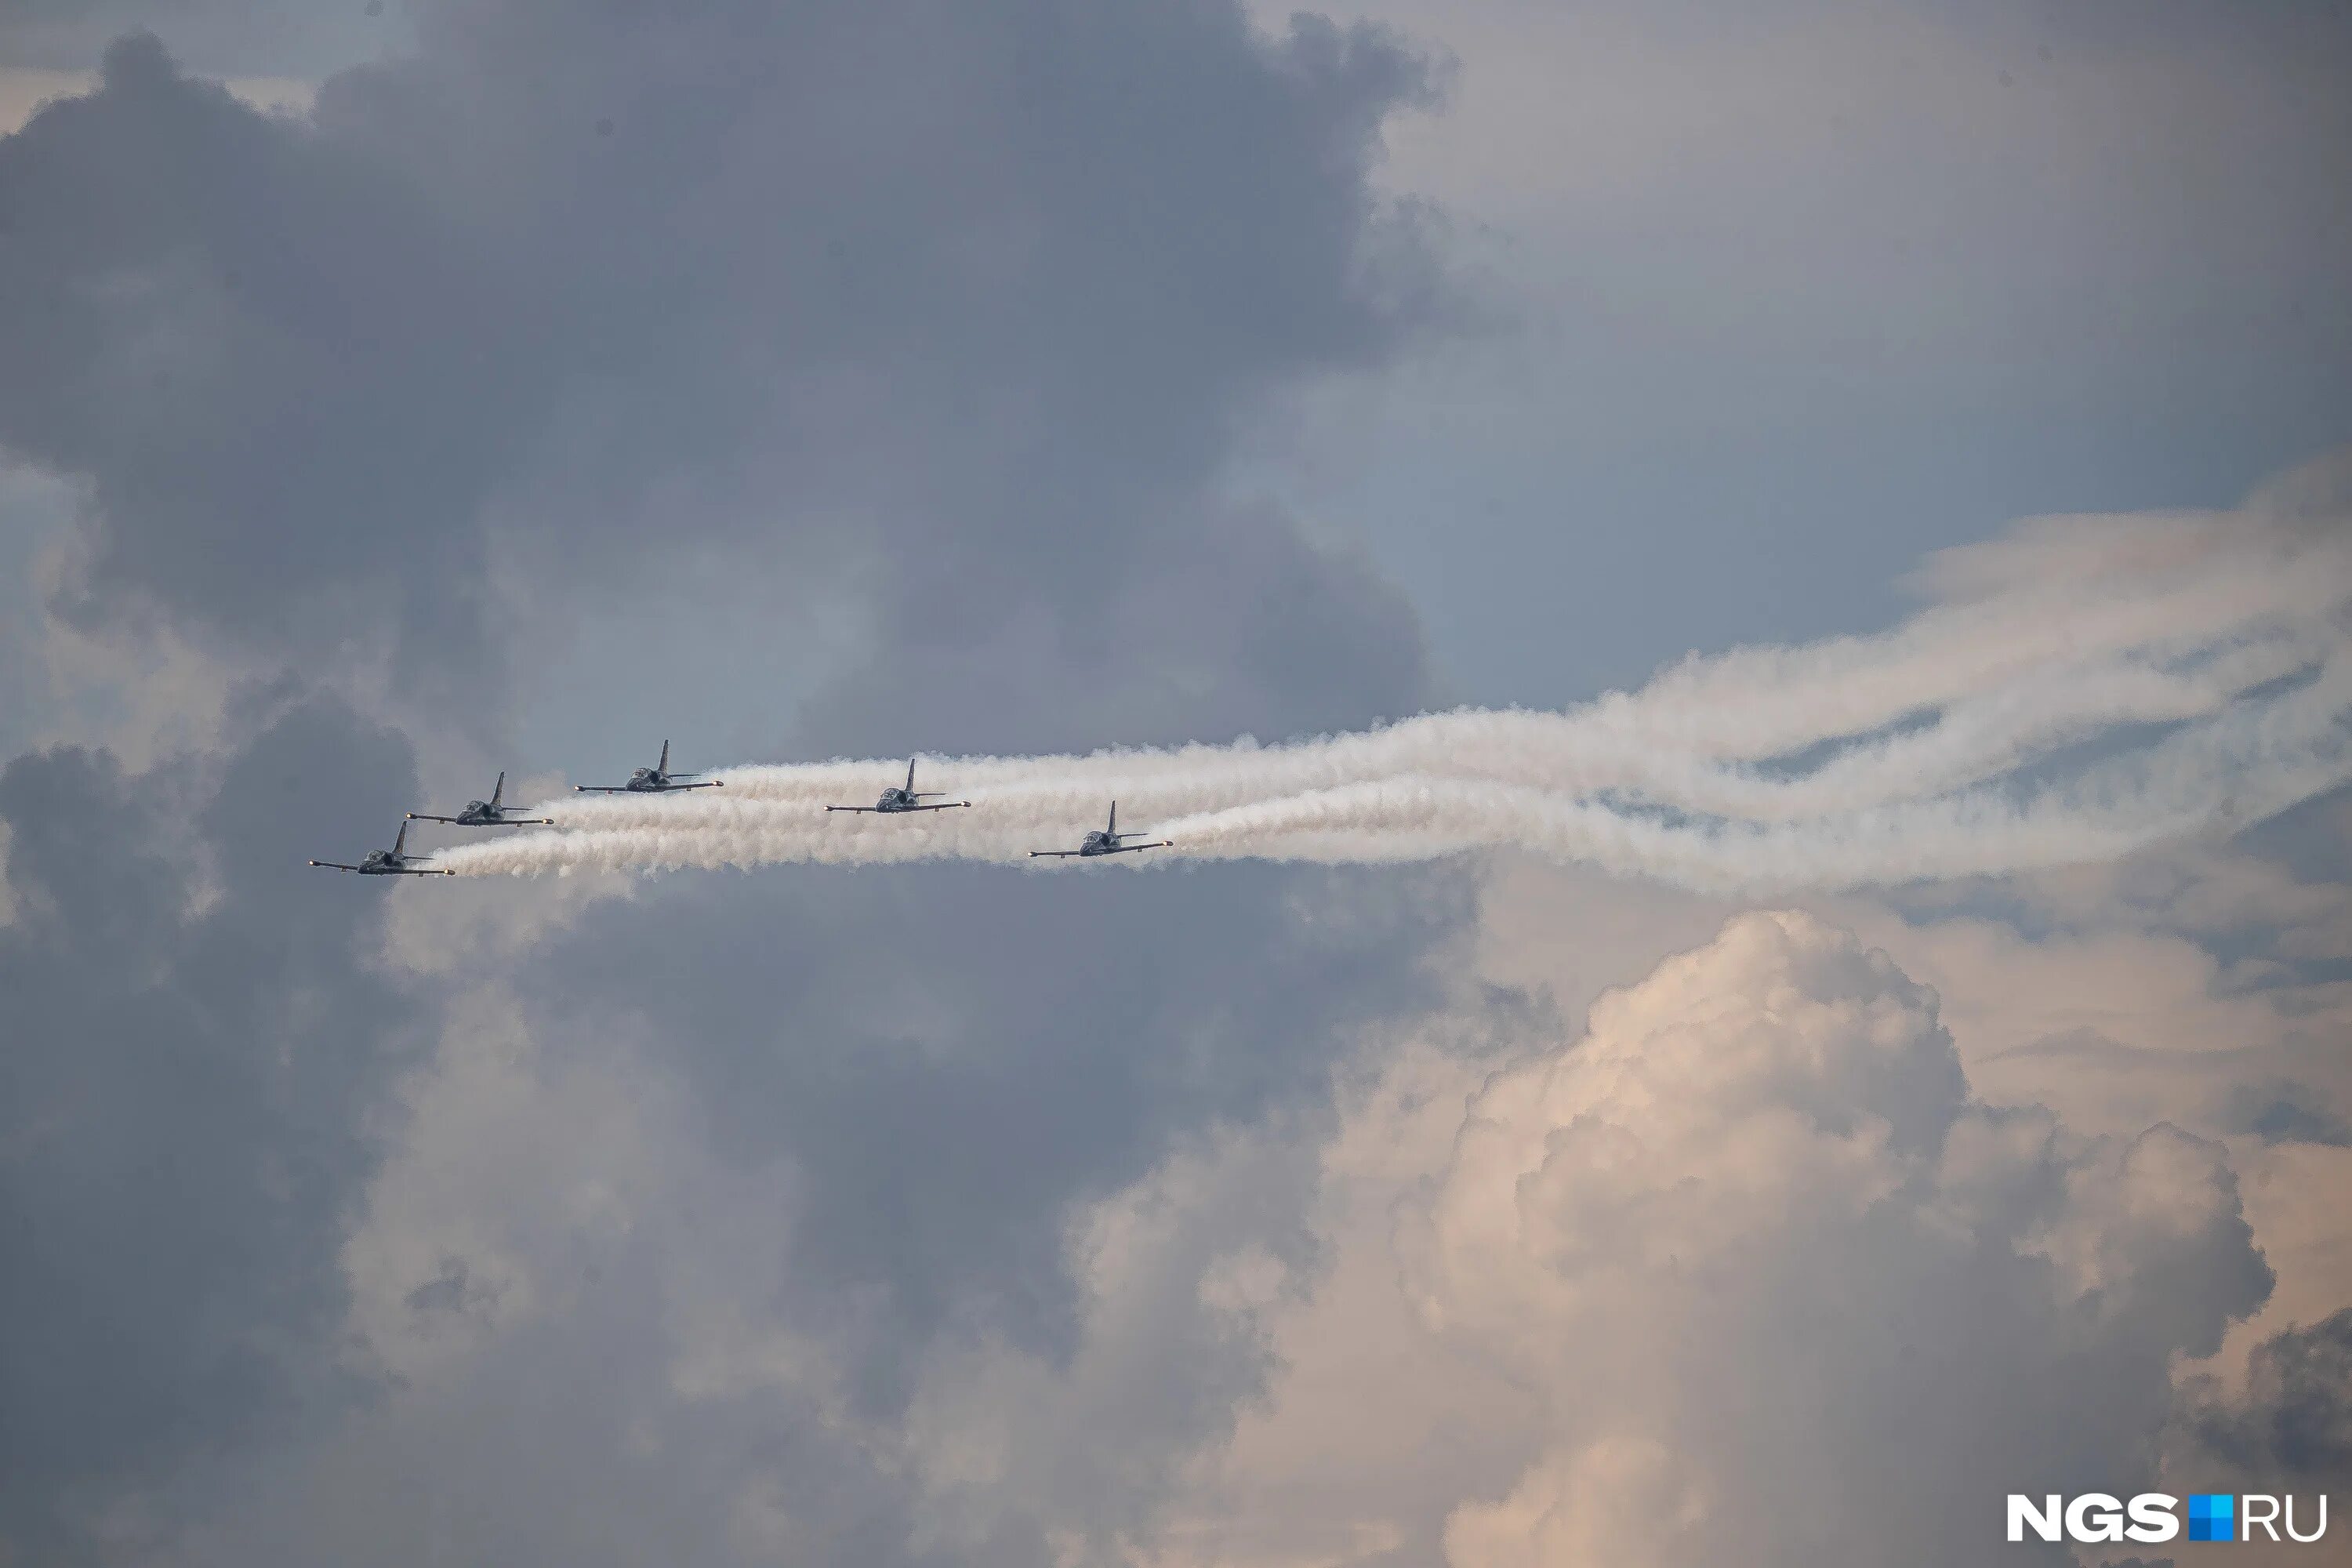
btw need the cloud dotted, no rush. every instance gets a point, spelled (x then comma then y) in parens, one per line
(23, 90)
(281, 38)
(917, 1214)
(949, 1062)
(2289, 1112)
(195, 1038)
(941, 316)
(233, 331)
(569, 1297)
(626, 1300)
(1750, 1240)
(2291, 1423)
(930, 303)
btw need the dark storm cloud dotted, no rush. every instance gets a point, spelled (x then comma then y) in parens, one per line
(971, 294)
(568, 1447)
(240, 38)
(952, 1058)
(2285, 1111)
(956, 306)
(1238, 626)
(192, 1037)
(2294, 1419)
(245, 338)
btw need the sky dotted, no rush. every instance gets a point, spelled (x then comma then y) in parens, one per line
(393, 395)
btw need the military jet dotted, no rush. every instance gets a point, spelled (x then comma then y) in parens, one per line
(486, 813)
(898, 798)
(392, 862)
(1102, 841)
(655, 780)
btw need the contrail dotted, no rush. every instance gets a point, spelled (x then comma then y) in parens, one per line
(2078, 688)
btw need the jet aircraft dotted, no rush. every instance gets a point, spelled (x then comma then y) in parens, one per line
(486, 813)
(1102, 841)
(655, 780)
(898, 798)
(392, 862)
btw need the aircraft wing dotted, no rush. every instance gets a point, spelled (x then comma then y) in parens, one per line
(424, 871)
(1052, 854)
(711, 784)
(943, 805)
(1160, 843)
(851, 809)
(428, 817)
(601, 789)
(334, 865)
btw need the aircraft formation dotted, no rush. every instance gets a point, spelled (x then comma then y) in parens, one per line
(895, 800)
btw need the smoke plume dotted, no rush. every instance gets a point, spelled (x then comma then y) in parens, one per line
(2074, 690)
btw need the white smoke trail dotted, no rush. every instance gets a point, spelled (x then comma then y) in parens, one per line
(1937, 749)
(1970, 741)
(2245, 767)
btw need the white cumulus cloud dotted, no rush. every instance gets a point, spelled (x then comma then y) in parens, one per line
(1748, 1273)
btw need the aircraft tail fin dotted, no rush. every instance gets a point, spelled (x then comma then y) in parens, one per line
(499, 788)
(663, 766)
(1114, 819)
(400, 842)
(911, 776)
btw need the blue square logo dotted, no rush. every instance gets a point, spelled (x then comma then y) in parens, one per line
(2213, 1516)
